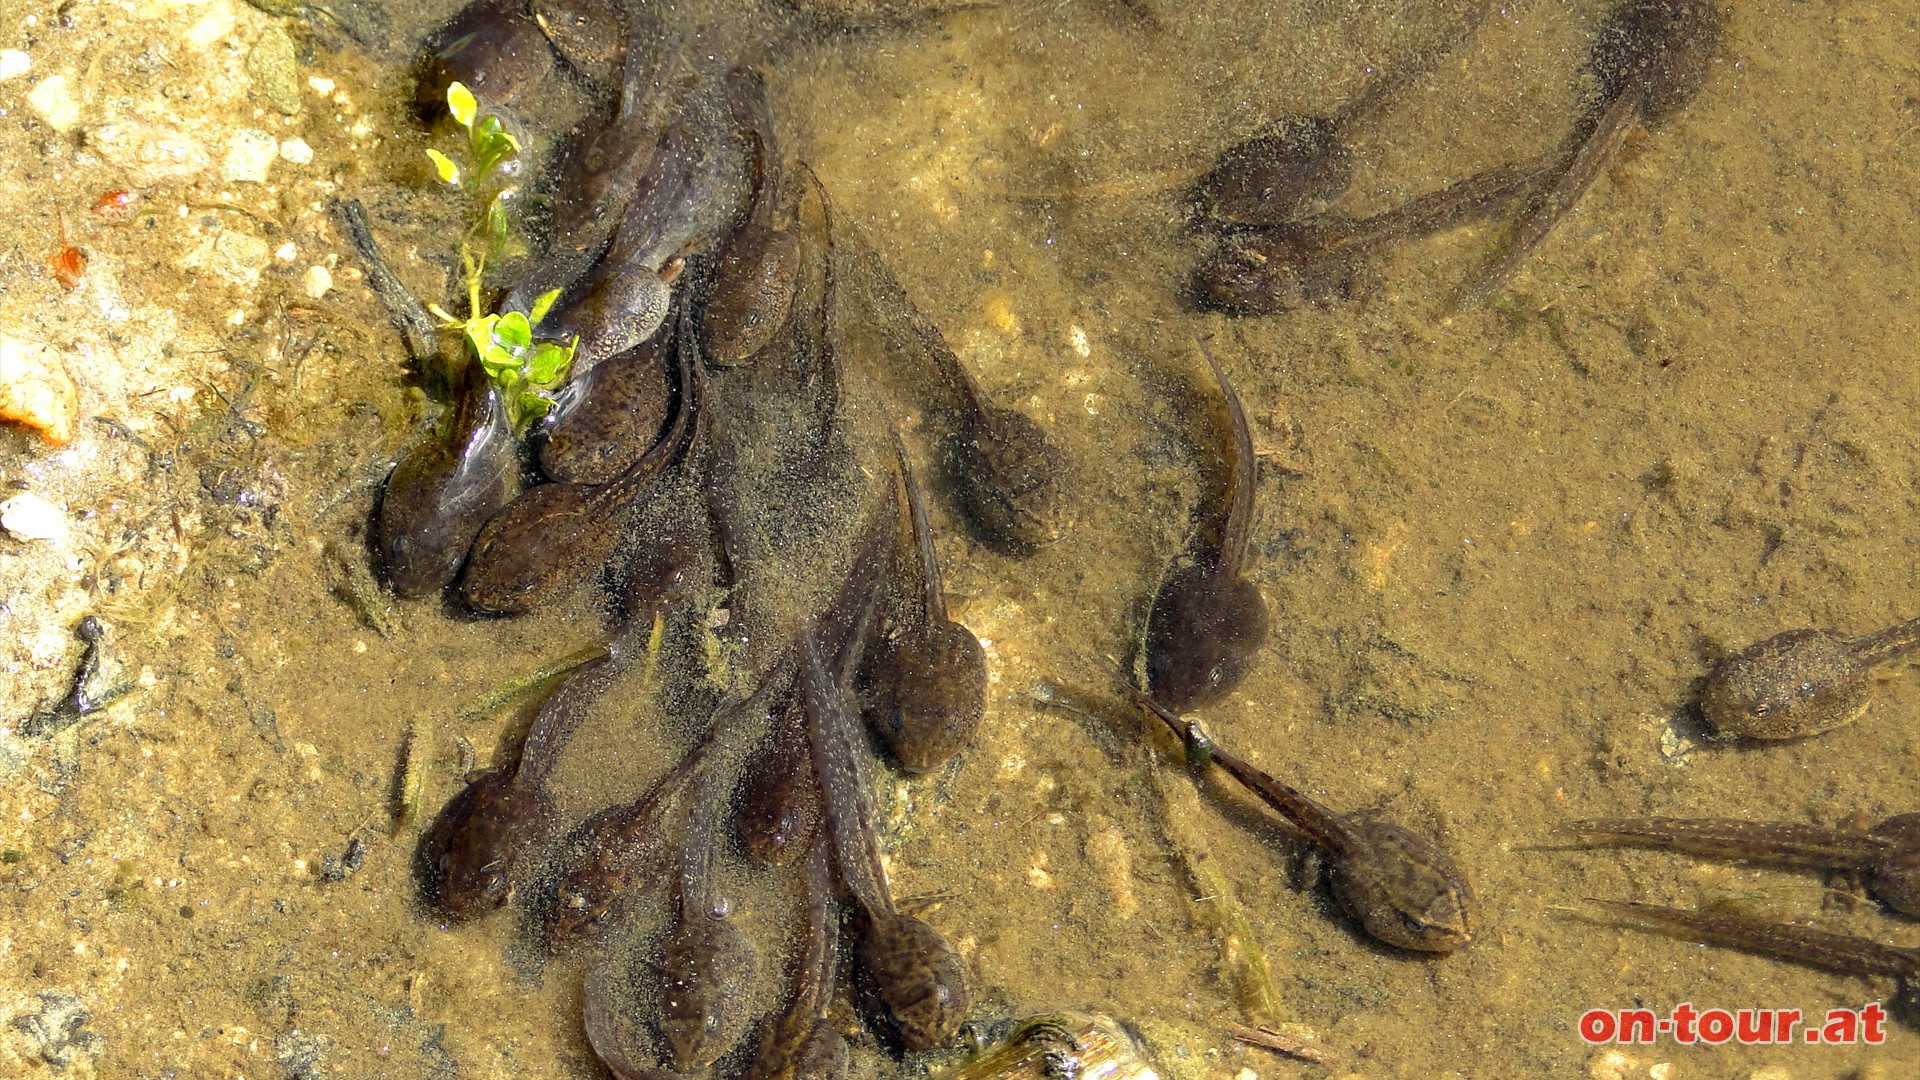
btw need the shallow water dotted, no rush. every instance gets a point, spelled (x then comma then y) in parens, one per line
(1499, 547)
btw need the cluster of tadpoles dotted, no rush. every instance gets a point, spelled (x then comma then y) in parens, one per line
(709, 443)
(1267, 197)
(1794, 685)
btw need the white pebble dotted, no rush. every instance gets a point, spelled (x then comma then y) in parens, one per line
(321, 84)
(29, 517)
(13, 62)
(318, 280)
(212, 26)
(249, 155)
(53, 99)
(296, 151)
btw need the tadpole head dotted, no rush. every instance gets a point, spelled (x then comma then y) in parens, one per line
(1895, 879)
(920, 981)
(1290, 169)
(1792, 685)
(930, 694)
(466, 859)
(1405, 891)
(1662, 49)
(1204, 635)
(492, 46)
(1011, 480)
(1270, 271)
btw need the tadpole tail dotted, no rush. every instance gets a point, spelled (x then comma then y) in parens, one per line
(1764, 937)
(1775, 842)
(409, 315)
(1544, 211)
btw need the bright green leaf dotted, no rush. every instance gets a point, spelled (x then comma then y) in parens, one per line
(444, 166)
(541, 305)
(547, 362)
(461, 104)
(513, 331)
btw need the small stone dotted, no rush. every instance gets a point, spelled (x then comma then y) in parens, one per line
(317, 281)
(149, 152)
(236, 256)
(217, 23)
(296, 150)
(35, 389)
(27, 516)
(250, 155)
(274, 66)
(53, 99)
(13, 62)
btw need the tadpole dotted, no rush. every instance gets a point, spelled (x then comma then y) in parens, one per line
(1650, 59)
(751, 301)
(1208, 621)
(1297, 166)
(1888, 854)
(919, 980)
(1801, 682)
(1010, 478)
(927, 676)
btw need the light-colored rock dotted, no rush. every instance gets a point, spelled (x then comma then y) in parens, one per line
(236, 256)
(36, 390)
(27, 516)
(209, 28)
(317, 281)
(250, 156)
(13, 63)
(296, 151)
(149, 152)
(52, 97)
(274, 66)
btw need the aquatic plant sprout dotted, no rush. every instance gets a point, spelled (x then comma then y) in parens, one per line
(525, 370)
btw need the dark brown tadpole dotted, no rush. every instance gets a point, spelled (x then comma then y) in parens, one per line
(799, 1043)
(461, 471)
(599, 171)
(1294, 167)
(606, 419)
(690, 197)
(1267, 270)
(550, 541)
(590, 35)
(1888, 854)
(751, 302)
(1010, 478)
(778, 811)
(1801, 682)
(927, 676)
(706, 963)
(618, 848)
(1208, 621)
(918, 980)
(470, 859)
(1650, 60)
(1821, 949)
(1401, 887)
(445, 488)
(493, 46)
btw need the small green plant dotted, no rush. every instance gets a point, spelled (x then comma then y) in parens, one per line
(525, 369)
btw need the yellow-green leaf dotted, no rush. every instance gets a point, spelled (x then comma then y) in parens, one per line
(513, 330)
(443, 165)
(461, 103)
(541, 305)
